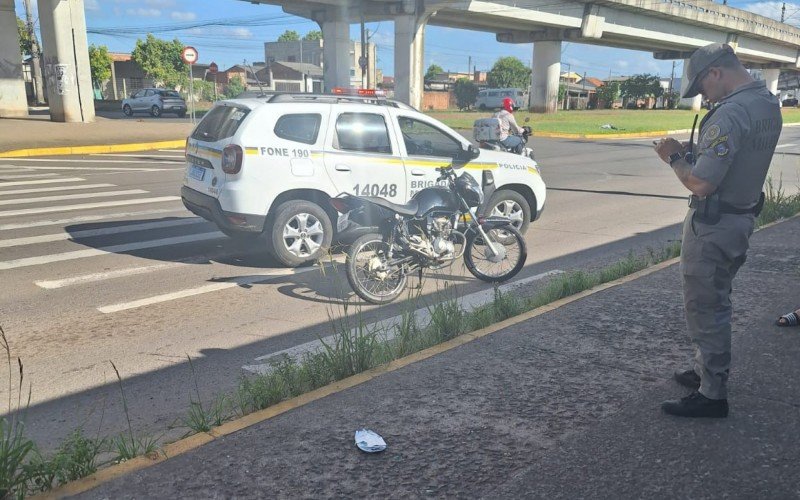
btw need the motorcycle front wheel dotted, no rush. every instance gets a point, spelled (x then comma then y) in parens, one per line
(501, 264)
(368, 272)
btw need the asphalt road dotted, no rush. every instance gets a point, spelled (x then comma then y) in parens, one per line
(100, 262)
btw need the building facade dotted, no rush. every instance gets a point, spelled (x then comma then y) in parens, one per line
(310, 52)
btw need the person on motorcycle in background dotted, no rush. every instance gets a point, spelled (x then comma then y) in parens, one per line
(509, 130)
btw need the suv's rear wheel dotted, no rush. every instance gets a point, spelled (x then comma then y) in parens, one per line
(301, 232)
(126, 109)
(155, 111)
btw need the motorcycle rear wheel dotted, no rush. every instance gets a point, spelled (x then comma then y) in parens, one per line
(368, 274)
(485, 265)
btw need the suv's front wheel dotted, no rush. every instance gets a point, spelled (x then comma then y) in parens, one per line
(301, 232)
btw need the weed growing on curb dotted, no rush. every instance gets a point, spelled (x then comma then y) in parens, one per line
(14, 445)
(130, 446)
(199, 419)
(353, 345)
(75, 458)
(777, 204)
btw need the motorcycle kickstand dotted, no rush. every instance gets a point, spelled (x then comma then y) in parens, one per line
(419, 279)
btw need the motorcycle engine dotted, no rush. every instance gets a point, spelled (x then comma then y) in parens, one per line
(434, 242)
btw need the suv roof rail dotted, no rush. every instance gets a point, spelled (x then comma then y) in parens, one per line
(336, 98)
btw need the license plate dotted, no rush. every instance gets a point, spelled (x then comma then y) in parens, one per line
(196, 172)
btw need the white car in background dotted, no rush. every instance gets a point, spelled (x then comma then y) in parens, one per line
(154, 101)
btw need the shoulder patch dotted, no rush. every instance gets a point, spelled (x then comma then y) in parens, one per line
(721, 149)
(711, 133)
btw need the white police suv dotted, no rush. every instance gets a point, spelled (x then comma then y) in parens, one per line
(270, 166)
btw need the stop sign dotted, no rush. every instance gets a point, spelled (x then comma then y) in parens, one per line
(189, 55)
(212, 68)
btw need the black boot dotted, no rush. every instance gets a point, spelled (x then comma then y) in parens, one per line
(696, 405)
(688, 379)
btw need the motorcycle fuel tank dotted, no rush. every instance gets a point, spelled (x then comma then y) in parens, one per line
(435, 198)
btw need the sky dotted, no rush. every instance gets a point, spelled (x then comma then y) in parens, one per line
(242, 28)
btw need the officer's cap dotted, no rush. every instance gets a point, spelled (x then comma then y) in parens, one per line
(703, 58)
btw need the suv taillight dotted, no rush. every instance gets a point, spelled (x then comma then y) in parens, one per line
(232, 159)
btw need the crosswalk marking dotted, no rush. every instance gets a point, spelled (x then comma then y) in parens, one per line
(84, 206)
(23, 176)
(87, 218)
(118, 273)
(89, 233)
(80, 196)
(45, 181)
(52, 189)
(93, 252)
(250, 279)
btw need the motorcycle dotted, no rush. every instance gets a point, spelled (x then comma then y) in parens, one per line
(424, 233)
(495, 144)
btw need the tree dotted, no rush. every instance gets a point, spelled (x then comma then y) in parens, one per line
(289, 36)
(313, 35)
(433, 70)
(25, 42)
(641, 87)
(466, 93)
(509, 72)
(608, 93)
(161, 60)
(100, 63)
(234, 88)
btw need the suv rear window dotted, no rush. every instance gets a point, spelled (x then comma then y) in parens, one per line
(299, 127)
(220, 123)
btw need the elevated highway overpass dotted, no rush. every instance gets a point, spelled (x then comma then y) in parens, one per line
(670, 29)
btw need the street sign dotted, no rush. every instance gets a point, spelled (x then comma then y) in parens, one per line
(362, 61)
(189, 55)
(213, 68)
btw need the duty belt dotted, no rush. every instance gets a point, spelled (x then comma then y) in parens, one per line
(726, 208)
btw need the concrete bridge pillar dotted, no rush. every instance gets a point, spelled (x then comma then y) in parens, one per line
(771, 78)
(409, 41)
(692, 103)
(13, 101)
(66, 60)
(545, 77)
(336, 58)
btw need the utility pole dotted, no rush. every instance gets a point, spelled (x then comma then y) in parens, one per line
(362, 61)
(671, 83)
(36, 66)
(783, 11)
(469, 66)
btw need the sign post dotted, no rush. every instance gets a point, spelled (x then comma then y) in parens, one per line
(189, 56)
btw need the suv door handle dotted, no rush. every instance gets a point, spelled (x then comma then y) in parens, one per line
(342, 168)
(417, 171)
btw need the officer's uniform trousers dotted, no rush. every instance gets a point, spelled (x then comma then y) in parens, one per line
(711, 255)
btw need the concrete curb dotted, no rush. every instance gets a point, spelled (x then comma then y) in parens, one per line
(657, 133)
(106, 148)
(197, 440)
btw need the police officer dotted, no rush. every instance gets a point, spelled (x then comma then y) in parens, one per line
(725, 171)
(508, 126)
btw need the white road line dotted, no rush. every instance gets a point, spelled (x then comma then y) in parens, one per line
(87, 218)
(86, 206)
(189, 292)
(171, 151)
(23, 176)
(10, 169)
(80, 196)
(119, 273)
(60, 188)
(44, 160)
(422, 315)
(46, 181)
(93, 252)
(785, 145)
(89, 233)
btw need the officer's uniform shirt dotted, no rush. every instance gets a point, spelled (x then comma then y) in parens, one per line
(736, 143)
(508, 124)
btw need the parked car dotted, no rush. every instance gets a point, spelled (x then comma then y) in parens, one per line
(154, 101)
(269, 166)
(790, 101)
(493, 98)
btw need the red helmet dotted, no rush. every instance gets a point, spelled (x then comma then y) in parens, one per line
(508, 104)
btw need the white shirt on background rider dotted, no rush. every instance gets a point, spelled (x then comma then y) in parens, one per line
(508, 124)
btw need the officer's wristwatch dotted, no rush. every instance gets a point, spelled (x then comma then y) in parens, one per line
(675, 157)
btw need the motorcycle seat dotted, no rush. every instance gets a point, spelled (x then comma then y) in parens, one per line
(409, 208)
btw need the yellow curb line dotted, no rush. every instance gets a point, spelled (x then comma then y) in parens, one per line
(193, 442)
(656, 133)
(103, 148)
